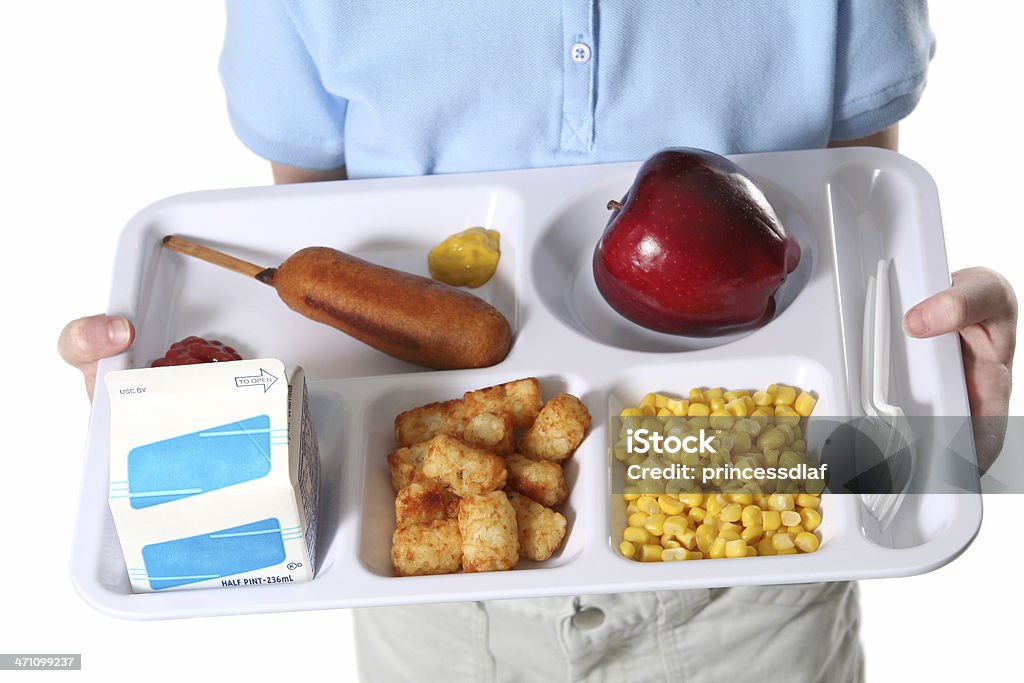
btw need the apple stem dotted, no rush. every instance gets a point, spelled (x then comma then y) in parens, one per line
(615, 205)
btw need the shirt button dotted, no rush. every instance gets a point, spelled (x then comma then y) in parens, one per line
(580, 53)
(588, 618)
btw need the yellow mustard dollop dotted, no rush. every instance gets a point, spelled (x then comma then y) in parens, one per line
(468, 258)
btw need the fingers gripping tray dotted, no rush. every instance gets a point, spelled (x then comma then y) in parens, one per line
(847, 208)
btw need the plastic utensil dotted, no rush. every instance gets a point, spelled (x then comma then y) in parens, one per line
(888, 480)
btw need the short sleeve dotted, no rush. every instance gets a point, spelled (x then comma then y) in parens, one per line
(276, 101)
(883, 50)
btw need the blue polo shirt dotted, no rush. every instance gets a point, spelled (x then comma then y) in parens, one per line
(441, 86)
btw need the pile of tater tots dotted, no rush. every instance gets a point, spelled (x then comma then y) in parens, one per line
(477, 479)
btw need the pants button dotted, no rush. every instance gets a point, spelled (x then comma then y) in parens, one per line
(588, 618)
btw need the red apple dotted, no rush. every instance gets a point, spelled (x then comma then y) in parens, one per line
(694, 248)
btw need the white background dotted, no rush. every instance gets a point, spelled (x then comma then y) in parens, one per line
(109, 106)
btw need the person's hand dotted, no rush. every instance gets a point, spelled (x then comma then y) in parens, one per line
(982, 307)
(86, 341)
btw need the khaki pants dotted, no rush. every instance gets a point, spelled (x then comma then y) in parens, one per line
(806, 633)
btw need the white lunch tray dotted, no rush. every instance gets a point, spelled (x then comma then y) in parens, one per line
(846, 207)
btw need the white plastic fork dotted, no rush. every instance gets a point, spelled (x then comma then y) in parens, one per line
(898, 453)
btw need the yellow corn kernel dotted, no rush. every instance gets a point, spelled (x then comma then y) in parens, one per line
(648, 504)
(621, 449)
(771, 438)
(637, 519)
(650, 552)
(804, 404)
(664, 412)
(698, 422)
(698, 410)
(806, 500)
(649, 400)
(717, 551)
(790, 517)
(696, 396)
(786, 415)
(762, 414)
(799, 445)
(794, 530)
(655, 524)
(678, 406)
(732, 395)
(670, 505)
(713, 394)
(728, 534)
(714, 504)
(671, 543)
(692, 499)
(695, 555)
(789, 459)
(660, 400)
(737, 408)
(752, 534)
(731, 512)
(636, 535)
(631, 496)
(777, 501)
(730, 526)
(742, 498)
(673, 554)
(771, 458)
(763, 398)
(784, 396)
(806, 542)
(782, 541)
(648, 411)
(741, 442)
(687, 538)
(751, 515)
(674, 525)
(630, 509)
(787, 431)
(810, 519)
(697, 514)
(765, 547)
(737, 548)
(771, 520)
(627, 549)
(721, 419)
(706, 535)
(717, 405)
(631, 412)
(787, 551)
(751, 551)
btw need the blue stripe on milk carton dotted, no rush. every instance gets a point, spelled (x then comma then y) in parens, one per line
(212, 555)
(195, 463)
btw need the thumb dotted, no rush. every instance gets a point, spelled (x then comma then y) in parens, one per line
(85, 341)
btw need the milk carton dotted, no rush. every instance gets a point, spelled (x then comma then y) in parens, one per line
(214, 473)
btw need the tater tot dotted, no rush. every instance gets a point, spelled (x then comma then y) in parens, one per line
(493, 432)
(427, 548)
(406, 465)
(541, 529)
(464, 469)
(558, 430)
(541, 480)
(420, 502)
(425, 422)
(521, 399)
(490, 541)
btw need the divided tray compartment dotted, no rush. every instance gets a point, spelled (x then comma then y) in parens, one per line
(846, 208)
